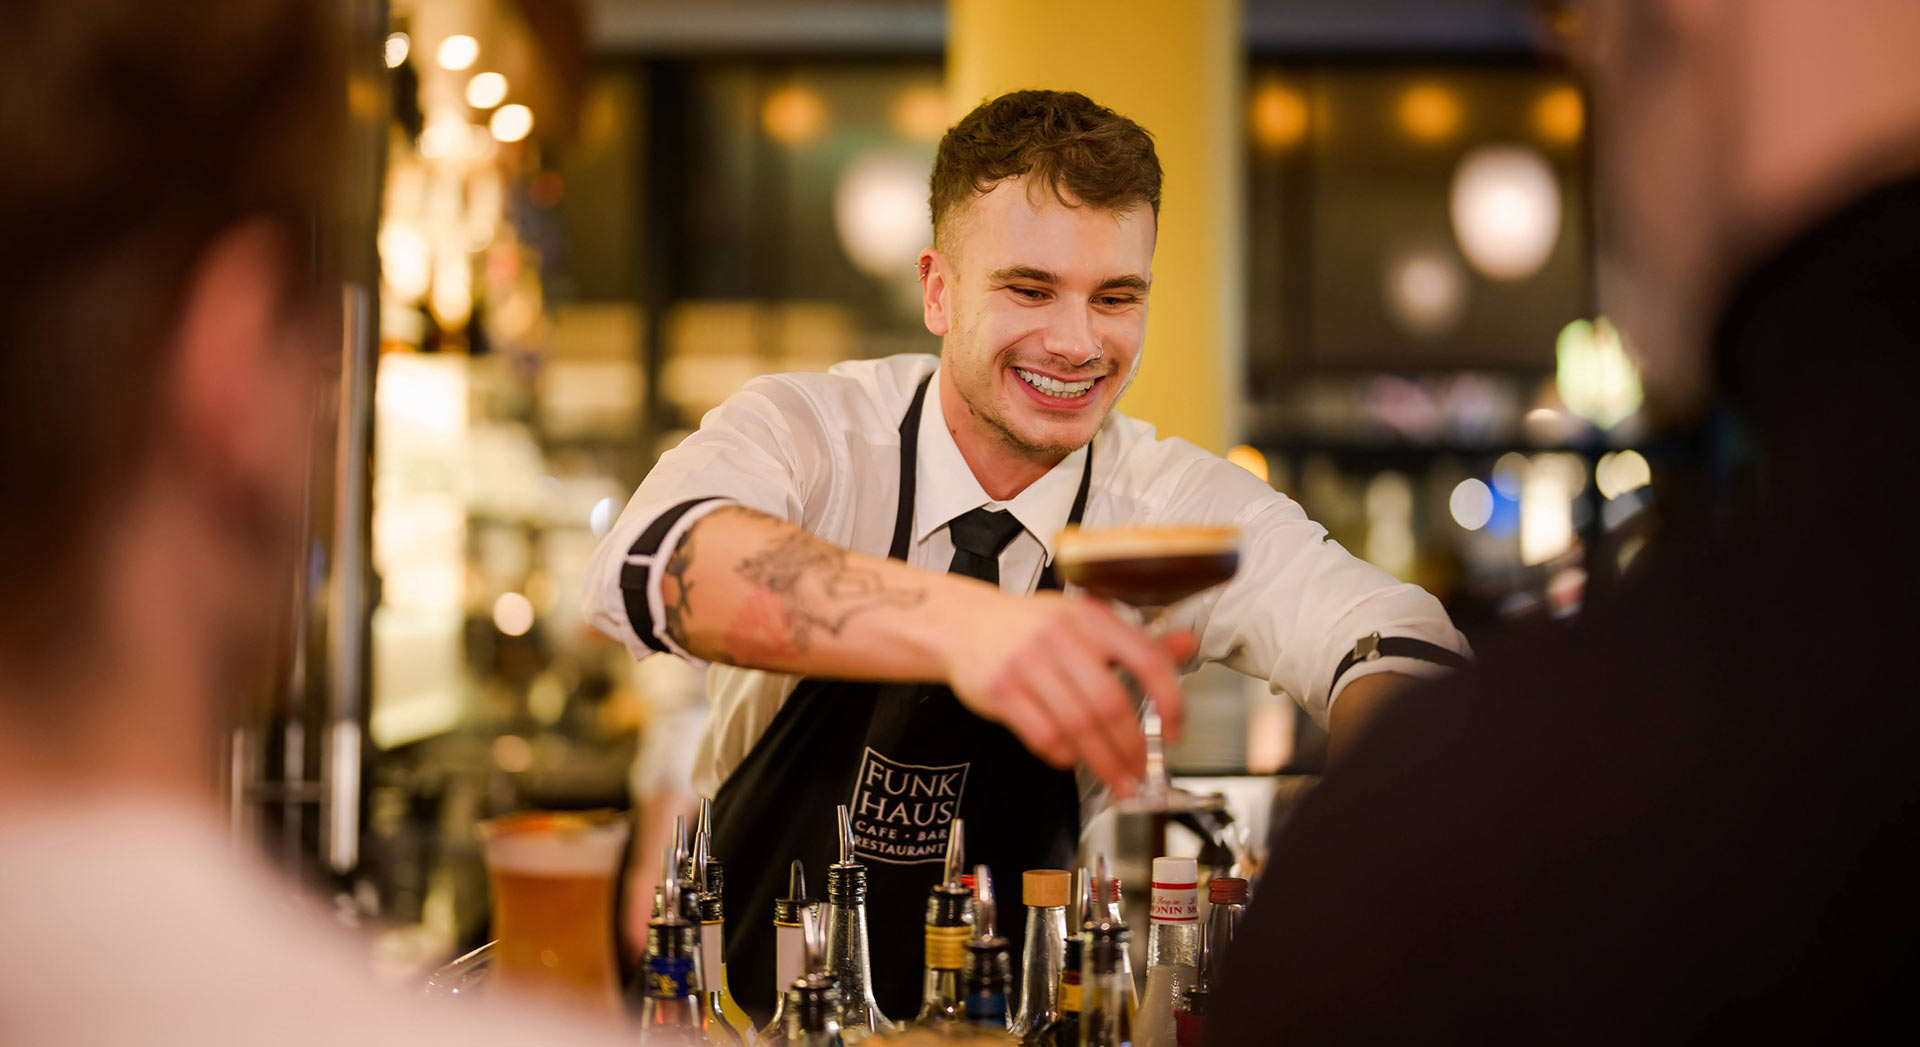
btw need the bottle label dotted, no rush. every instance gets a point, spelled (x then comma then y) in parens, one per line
(1176, 902)
(712, 938)
(1070, 996)
(669, 977)
(947, 947)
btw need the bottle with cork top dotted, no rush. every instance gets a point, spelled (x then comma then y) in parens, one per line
(1044, 892)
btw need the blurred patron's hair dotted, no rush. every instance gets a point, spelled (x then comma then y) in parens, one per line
(137, 133)
(1061, 140)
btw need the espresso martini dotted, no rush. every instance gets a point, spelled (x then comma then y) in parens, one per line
(1147, 567)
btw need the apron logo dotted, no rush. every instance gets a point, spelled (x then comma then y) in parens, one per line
(902, 811)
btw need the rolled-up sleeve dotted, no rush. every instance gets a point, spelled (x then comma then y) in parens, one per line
(1300, 601)
(763, 448)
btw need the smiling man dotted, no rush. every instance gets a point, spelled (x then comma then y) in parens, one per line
(865, 555)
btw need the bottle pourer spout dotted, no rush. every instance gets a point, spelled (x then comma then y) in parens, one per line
(812, 946)
(705, 825)
(669, 884)
(1083, 897)
(1101, 885)
(846, 836)
(679, 842)
(699, 858)
(983, 906)
(956, 851)
(797, 880)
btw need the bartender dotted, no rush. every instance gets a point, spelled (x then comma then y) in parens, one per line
(862, 557)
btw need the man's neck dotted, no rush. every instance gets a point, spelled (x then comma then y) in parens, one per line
(1001, 469)
(131, 705)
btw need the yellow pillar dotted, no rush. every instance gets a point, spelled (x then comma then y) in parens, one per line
(1175, 67)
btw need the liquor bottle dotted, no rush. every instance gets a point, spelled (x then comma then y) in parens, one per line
(709, 874)
(1229, 900)
(716, 999)
(670, 1006)
(1173, 949)
(989, 973)
(789, 950)
(1106, 1018)
(1111, 907)
(1044, 892)
(811, 1004)
(1064, 1029)
(847, 941)
(949, 927)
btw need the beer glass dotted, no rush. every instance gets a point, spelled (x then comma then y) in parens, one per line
(1150, 569)
(552, 877)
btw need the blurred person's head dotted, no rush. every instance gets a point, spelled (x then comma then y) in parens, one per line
(1724, 127)
(165, 171)
(1045, 207)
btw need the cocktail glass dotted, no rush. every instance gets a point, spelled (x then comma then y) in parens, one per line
(1149, 569)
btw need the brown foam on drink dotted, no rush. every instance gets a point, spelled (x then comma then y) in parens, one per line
(1078, 545)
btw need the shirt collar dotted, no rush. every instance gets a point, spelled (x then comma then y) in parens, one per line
(945, 487)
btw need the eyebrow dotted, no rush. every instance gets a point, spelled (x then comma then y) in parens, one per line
(1027, 272)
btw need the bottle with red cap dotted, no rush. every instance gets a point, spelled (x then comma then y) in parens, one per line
(1228, 898)
(1173, 949)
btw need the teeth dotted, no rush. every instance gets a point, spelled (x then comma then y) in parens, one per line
(1052, 387)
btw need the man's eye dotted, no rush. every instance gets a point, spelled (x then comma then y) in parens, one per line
(1029, 293)
(1115, 301)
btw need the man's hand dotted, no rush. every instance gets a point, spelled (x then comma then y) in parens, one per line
(1045, 666)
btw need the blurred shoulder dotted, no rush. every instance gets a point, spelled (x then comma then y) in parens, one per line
(1150, 477)
(853, 395)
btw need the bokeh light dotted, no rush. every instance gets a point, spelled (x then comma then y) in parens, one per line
(1250, 459)
(513, 614)
(486, 90)
(880, 212)
(511, 123)
(793, 114)
(1429, 113)
(1279, 116)
(1471, 503)
(1560, 115)
(920, 113)
(397, 48)
(1506, 210)
(1426, 291)
(458, 52)
(1621, 472)
(512, 753)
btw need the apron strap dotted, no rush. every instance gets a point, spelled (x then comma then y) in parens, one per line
(909, 460)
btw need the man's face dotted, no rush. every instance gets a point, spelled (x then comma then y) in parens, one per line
(1043, 309)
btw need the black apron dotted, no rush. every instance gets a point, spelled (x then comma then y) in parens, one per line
(907, 759)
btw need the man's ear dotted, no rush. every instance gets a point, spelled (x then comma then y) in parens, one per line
(233, 387)
(935, 288)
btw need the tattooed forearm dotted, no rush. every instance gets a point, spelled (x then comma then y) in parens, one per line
(676, 589)
(804, 584)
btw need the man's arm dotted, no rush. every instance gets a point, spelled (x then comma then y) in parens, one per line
(749, 589)
(1359, 703)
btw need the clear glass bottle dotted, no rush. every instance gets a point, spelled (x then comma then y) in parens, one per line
(789, 962)
(847, 958)
(989, 974)
(670, 1009)
(949, 929)
(1173, 949)
(1228, 897)
(1044, 892)
(1111, 907)
(709, 879)
(812, 1005)
(1106, 1019)
(1064, 1030)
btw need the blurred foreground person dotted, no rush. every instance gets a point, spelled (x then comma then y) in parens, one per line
(164, 167)
(1693, 816)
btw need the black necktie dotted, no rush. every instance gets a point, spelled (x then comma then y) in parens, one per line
(978, 537)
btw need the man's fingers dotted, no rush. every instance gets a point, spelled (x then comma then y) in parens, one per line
(1100, 727)
(1026, 714)
(1147, 660)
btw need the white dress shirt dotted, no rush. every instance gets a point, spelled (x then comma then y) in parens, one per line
(822, 451)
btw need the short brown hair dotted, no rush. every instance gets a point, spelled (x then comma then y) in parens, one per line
(1081, 150)
(136, 134)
